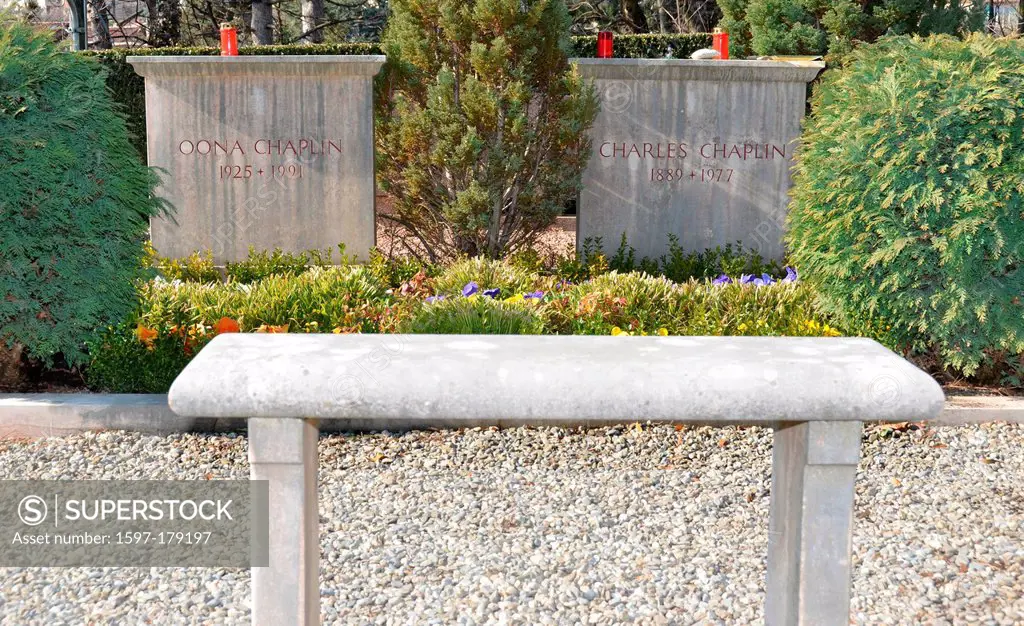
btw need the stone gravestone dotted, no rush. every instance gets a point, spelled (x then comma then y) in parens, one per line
(698, 149)
(263, 151)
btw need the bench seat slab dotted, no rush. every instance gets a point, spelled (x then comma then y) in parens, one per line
(464, 381)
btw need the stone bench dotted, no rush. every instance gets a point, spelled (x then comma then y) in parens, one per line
(814, 392)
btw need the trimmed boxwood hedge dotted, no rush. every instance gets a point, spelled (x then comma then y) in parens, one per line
(128, 88)
(651, 46)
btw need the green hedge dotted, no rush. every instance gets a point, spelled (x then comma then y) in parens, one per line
(128, 88)
(645, 46)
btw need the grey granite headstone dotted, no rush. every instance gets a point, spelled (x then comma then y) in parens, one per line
(698, 149)
(263, 151)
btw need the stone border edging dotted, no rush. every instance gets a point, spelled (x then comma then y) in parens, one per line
(30, 415)
(973, 409)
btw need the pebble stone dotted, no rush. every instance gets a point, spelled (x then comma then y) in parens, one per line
(649, 525)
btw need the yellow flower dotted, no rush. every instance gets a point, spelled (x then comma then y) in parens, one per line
(663, 332)
(742, 328)
(516, 298)
(616, 331)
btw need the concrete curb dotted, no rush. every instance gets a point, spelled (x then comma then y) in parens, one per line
(55, 414)
(34, 415)
(975, 409)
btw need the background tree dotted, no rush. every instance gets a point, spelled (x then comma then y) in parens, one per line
(163, 23)
(261, 22)
(481, 123)
(641, 16)
(163, 27)
(100, 18)
(765, 27)
(312, 21)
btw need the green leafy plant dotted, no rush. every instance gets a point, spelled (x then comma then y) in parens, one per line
(261, 264)
(488, 274)
(196, 267)
(731, 260)
(642, 304)
(624, 259)
(397, 271)
(589, 262)
(482, 124)
(680, 266)
(476, 315)
(76, 200)
(320, 299)
(122, 363)
(906, 209)
(174, 321)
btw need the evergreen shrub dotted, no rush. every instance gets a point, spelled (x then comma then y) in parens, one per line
(908, 199)
(481, 124)
(76, 201)
(812, 27)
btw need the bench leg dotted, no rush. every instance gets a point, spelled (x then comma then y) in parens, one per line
(283, 452)
(810, 530)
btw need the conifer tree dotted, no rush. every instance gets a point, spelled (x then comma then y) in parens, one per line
(481, 123)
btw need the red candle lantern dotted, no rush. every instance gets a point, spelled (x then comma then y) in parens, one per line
(228, 41)
(720, 42)
(604, 45)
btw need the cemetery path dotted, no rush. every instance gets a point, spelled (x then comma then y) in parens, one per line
(655, 525)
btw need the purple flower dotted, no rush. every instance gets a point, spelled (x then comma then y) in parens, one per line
(534, 294)
(470, 288)
(791, 275)
(758, 282)
(492, 293)
(564, 284)
(721, 280)
(746, 279)
(767, 280)
(433, 299)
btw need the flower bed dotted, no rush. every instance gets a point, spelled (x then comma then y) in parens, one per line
(176, 318)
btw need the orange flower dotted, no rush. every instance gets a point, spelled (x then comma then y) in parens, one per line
(146, 335)
(267, 328)
(226, 325)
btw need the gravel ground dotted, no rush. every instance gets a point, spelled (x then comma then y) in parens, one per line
(522, 526)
